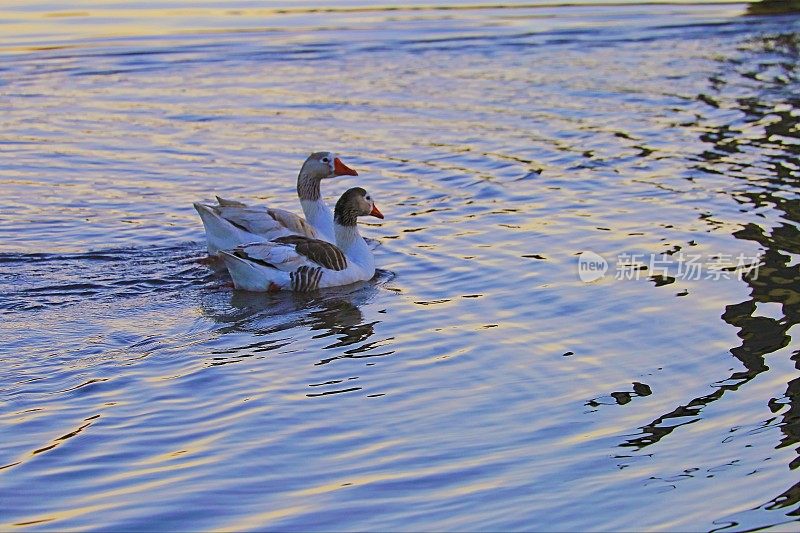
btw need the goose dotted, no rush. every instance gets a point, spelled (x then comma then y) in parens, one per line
(229, 223)
(302, 264)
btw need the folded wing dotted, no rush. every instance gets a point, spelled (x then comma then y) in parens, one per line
(292, 252)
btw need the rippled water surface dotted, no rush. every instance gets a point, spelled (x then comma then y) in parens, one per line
(476, 383)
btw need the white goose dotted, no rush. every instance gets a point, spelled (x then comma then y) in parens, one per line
(302, 264)
(229, 223)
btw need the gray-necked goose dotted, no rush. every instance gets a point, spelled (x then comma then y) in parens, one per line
(302, 264)
(229, 223)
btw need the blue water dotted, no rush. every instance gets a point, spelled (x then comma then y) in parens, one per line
(477, 383)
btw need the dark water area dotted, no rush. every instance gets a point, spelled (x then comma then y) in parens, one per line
(480, 381)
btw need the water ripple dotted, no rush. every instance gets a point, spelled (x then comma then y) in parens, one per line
(475, 382)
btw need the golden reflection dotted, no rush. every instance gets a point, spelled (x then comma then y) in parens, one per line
(369, 449)
(193, 447)
(257, 521)
(417, 472)
(167, 475)
(125, 22)
(65, 514)
(23, 29)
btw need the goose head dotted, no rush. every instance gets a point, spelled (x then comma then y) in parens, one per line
(354, 203)
(322, 165)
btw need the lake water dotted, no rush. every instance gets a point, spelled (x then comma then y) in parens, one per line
(477, 383)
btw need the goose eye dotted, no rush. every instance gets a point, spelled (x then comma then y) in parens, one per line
(325, 160)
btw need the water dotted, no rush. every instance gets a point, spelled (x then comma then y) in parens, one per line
(476, 383)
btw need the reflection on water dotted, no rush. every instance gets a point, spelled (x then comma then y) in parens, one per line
(476, 382)
(332, 314)
(773, 64)
(773, 7)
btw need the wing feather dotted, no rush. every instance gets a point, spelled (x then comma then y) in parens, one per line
(264, 222)
(321, 253)
(294, 223)
(277, 255)
(229, 203)
(251, 219)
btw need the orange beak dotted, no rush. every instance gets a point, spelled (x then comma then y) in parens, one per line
(375, 212)
(340, 169)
